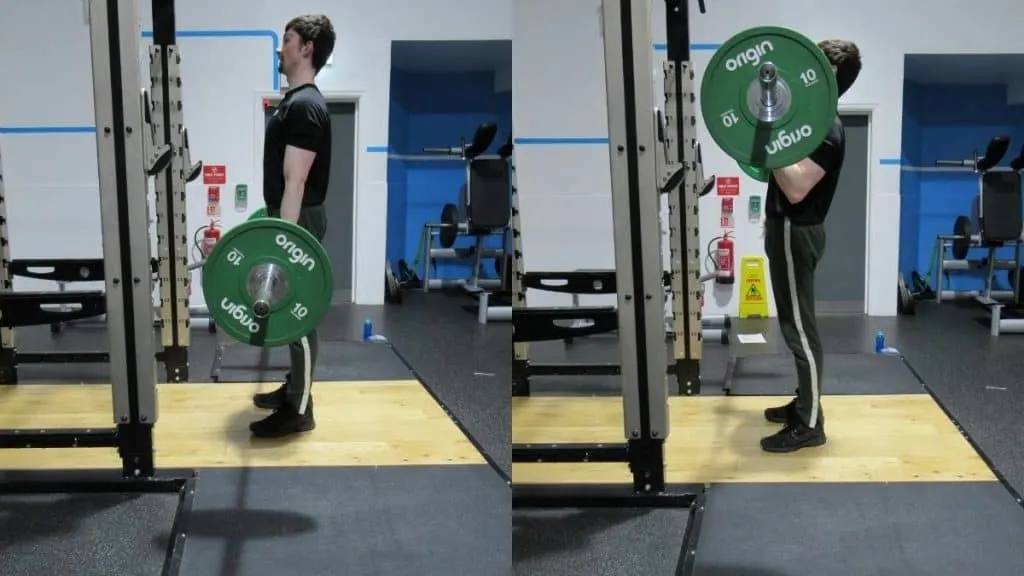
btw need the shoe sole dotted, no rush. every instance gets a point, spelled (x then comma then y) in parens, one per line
(788, 449)
(775, 420)
(283, 434)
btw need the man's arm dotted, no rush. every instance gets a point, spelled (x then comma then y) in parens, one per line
(304, 129)
(797, 180)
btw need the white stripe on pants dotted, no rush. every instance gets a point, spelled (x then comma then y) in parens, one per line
(798, 322)
(307, 375)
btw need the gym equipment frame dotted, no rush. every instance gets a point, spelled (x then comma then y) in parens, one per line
(171, 164)
(635, 206)
(944, 265)
(123, 172)
(685, 309)
(999, 207)
(999, 224)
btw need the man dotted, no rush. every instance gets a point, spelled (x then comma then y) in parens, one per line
(799, 197)
(296, 169)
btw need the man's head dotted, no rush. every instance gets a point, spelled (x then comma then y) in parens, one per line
(845, 59)
(308, 42)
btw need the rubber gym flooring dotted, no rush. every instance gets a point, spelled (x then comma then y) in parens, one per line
(388, 484)
(899, 489)
(885, 496)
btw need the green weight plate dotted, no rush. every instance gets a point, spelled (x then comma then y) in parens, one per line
(302, 294)
(730, 94)
(759, 174)
(260, 213)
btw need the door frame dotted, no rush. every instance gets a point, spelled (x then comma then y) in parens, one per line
(868, 111)
(353, 97)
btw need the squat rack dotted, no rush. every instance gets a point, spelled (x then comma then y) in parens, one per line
(643, 163)
(126, 157)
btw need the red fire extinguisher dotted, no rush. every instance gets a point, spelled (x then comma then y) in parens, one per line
(724, 258)
(210, 237)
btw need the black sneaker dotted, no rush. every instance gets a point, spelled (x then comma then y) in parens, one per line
(794, 436)
(270, 400)
(781, 414)
(284, 421)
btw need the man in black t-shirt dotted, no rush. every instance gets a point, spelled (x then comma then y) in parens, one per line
(296, 170)
(798, 200)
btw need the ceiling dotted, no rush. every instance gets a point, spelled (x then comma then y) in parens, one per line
(451, 56)
(964, 68)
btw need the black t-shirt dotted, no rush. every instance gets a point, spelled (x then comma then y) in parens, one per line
(301, 120)
(813, 209)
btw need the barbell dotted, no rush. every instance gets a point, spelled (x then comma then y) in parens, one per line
(768, 98)
(267, 282)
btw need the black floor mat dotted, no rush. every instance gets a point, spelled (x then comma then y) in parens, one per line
(336, 361)
(85, 534)
(775, 374)
(605, 349)
(597, 542)
(935, 529)
(466, 365)
(395, 521)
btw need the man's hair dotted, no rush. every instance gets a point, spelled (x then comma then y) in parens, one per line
(315, 28)
(845, 56)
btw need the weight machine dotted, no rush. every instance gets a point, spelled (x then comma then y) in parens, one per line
(639, 158)
(126, 157)
(170, 162)
(485, 176)
(999, 224)
(483, 210)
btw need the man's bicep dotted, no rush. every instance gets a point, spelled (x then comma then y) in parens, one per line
(297, 162)
(304, 127)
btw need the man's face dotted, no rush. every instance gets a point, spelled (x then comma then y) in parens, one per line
(291, 52)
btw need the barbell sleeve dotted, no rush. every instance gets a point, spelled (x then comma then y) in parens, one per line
(261, 304)
(768, 77)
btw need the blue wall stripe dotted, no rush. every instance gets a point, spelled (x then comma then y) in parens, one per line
(890, 161)
(274, 40)
(541, 141)
(378, 149)
(47, 129)
(275, 43)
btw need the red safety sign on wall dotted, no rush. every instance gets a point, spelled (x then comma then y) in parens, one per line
(728, 185)
(215, 174)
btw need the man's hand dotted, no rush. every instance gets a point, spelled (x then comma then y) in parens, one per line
(297, 162)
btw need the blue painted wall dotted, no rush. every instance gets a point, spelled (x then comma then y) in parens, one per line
(948, 123)
(435, 110)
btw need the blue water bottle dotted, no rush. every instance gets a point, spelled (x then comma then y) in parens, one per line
(879, 342)
(367, 329)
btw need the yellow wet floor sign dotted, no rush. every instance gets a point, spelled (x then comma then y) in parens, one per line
(753, 289)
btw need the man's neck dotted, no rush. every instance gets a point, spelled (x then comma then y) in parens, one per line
(301, 78)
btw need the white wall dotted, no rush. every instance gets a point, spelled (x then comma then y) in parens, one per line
(559, 92)
(52, 188)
